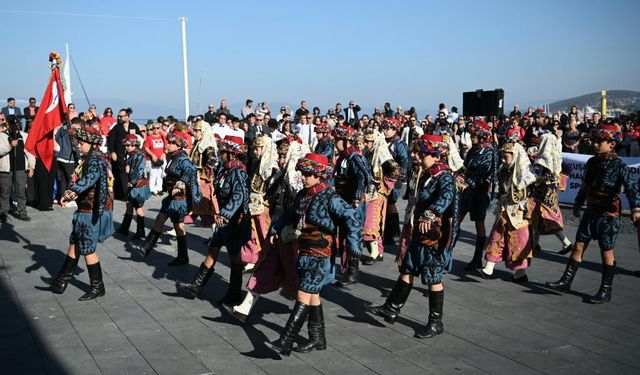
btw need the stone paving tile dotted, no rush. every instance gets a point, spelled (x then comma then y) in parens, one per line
(142, 326)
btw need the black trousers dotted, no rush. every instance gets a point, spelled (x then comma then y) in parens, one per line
(65, 171)
(120, 180)
(40, 186)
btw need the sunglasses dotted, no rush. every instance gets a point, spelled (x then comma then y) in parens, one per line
(156, 127)
(143, 131)
(307, 174)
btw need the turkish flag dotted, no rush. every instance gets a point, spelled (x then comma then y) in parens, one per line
(51, 115)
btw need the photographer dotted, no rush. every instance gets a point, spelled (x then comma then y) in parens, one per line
(16, 164)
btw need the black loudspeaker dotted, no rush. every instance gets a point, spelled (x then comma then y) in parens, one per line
(483, 103)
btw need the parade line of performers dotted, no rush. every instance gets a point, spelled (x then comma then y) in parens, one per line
(295, 214)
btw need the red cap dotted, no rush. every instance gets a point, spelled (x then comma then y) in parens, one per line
(609, 127)
(482, 124)
(131, 137)
(432, 138)
(320, 159)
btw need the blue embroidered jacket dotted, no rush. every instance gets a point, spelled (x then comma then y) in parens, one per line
(327, 211)
(438, 198)
(604, 175)
(400, 152)
(92, 186)
(232, 191)
(327, 148)
(352, 176)
(180, 168)
(137, 163)
(480, 166)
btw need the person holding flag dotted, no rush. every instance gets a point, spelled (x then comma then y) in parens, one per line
(40, 143)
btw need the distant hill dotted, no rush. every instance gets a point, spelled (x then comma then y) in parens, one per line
(620, 101)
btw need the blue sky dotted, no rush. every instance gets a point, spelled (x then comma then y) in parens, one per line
(410, 53)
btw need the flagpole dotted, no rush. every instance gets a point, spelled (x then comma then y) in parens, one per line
(68, 95)
(183, 22)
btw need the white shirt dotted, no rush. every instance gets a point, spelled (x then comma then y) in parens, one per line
(220, 130)
(405, 134)
(236, 133)
(306, 132)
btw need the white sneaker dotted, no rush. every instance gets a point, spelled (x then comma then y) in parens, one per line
(171, 232)
(71, 204)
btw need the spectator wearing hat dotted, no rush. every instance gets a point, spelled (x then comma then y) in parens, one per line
(137, 173)
(93, 219)
(181, 183)
(323, 211)
(605, 174)
(429, 253)
(16, 165)
(233, 225)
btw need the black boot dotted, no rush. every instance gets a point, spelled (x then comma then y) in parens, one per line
(199, 281)
(284, 344)
(60, 282)
(567, 249)
(149, 243)
(434, 325)
(234, 293)
(351, 277)
(604, 294)
(564, 284)
(396, 299)
(139, 228)
(183, 253)
(317, 339)
(391, 229)
(476, 261)
(126, 223)
(95, 279)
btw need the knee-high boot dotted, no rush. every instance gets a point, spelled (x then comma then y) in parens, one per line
(476, 261)
(434, 325)
(315, 326)
(139, 228)
(126, 223)
(564, 284)
(396, 299)
(59, 282)
(149, 243)
(183, 252)
(284, 344)
(95, 279)
(353, 271)
(234, 294)
(200, 279)
(604, 294)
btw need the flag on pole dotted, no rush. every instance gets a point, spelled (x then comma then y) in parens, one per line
(66, 76)
(52, 114)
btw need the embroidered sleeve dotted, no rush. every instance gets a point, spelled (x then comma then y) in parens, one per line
(630, 186)
(402, 158)
(345, 216)
(239, 193)
(188, 177)
(136, 168)
(360, 172)
(581, 196)
(445, 190)
(90, 176)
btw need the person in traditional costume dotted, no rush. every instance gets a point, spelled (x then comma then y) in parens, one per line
(434, 231)
(352, 177)
(509, 239)
(138, 185)
(543, 211)
(233, 223)
(93, 220)
(276, 266)
(262, 175)
(605, 173)
(325, 145)
(313, 221)
(480, 169)
(181, 183)
(400, 152)
(385, 173)
(203, 156)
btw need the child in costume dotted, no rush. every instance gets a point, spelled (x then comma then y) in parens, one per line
(135, 167)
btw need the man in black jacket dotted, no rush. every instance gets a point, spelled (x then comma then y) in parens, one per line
(30, 113)
(117, 153)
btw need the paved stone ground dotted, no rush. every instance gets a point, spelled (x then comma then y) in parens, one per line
(143, 327)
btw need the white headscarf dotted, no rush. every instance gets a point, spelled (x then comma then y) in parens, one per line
(522, 174)
(269, 158)
(381, 153)
(292, 176)
(549, 155)
(208, 138)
